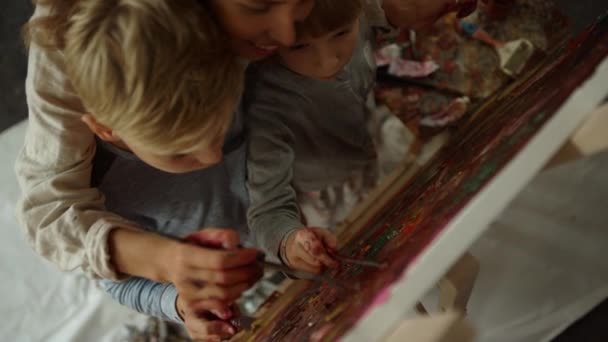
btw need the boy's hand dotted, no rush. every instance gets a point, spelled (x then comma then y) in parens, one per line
(310, 249)
(417, 14)
(208, 278)
(206, 326)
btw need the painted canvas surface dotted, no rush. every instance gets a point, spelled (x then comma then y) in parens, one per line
(400, 231)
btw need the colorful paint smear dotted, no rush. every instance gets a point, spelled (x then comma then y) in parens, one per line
(397, 234)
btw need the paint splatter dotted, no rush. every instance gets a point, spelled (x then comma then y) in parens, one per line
(381, 298)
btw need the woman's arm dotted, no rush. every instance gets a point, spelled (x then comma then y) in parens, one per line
(63, 216)
(416, 14)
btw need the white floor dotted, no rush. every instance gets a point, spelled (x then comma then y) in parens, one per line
(38, 303)
(541, 265)
(542, 262)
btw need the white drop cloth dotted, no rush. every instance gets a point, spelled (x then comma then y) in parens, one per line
(39, 303)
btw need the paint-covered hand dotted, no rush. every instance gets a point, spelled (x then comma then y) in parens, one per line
(310, 249)
(209, 325)
(417, 14)
(211, 271)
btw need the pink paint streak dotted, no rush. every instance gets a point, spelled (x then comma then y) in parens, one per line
(381, 298)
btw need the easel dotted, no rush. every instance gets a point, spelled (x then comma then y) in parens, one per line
(449, 322)
(456, 286)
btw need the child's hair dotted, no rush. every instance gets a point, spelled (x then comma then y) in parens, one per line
(157, 71)
(329, 15)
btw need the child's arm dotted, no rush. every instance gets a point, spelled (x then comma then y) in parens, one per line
(145, 296)
(273, 214)
(161, 300)
(63, 217)
(234, 272)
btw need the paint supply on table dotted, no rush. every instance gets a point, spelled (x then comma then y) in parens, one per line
(513, 55)
(305, 275)
(449, 114)
(392, 57)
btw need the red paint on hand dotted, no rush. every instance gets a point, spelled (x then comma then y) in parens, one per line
(381, 298)
(211, 237)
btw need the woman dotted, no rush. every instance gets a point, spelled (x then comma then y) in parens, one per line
(74, 230)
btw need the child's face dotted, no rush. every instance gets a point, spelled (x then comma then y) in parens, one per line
(199, 158)
(322, 57)
(259, 27)
(176, 161)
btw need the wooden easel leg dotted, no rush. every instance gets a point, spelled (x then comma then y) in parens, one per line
(590, 138)
(456, 286)
(443, 327)
(568, 152)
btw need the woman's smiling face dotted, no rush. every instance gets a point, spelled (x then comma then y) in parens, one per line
(259, 27)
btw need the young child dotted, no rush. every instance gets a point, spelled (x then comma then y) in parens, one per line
(159, 87)
(311, 156)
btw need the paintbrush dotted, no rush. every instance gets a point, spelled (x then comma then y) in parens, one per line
(279, 267)
(304, 275)
(242, 322)
(362, 262)
(513, 56)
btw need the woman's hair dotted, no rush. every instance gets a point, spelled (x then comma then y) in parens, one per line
(158, 71)
(329, 15)
(48, 30)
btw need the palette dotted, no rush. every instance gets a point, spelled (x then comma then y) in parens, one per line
(430, 220)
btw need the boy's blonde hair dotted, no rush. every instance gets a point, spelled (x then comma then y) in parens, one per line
(329, 15)
(157, 71)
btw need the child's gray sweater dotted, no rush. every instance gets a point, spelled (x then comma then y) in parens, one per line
(305, 135)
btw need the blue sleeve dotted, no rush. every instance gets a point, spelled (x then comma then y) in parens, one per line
(145, 296)
(468, 27)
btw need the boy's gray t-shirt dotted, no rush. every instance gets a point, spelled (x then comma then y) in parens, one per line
(174, 205)
(305, 135)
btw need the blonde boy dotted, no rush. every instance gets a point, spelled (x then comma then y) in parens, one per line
(160, 90)
(156, 77)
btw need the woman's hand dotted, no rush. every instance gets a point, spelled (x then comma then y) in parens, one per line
(417, 14)
(210, 278)
(310, 249)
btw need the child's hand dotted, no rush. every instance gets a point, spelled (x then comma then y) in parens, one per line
(310, 249)
(209, 325)
(208, 278)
